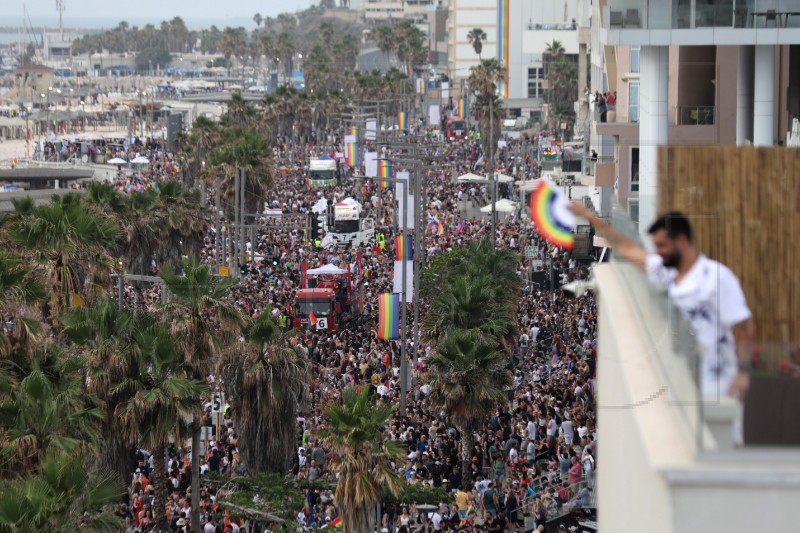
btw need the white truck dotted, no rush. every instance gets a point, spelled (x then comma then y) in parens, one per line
(323, 172)
(349, 226)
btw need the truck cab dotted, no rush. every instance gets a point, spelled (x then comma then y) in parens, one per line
(455, 128)
(323, 171)
(349, 228)
(322, 301)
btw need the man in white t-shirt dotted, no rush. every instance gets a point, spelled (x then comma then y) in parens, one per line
(706, 292)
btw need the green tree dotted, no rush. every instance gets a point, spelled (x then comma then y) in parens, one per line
(385, 40)
(476, 37)
(44, 410)
(159, 401)
(271, 382)
(363, 457)
(20, 290)
(64, 495)
(69, 244)
(410, 44)
(203, 319)
(468, 379)
(244, 149)
(152, 58)
(106, 336)
(470, 303)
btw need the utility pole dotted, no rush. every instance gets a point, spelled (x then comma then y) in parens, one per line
(217, 225)
(492, 144)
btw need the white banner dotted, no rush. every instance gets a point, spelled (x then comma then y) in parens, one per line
(400, 194)
(371, 164)
(434, 117)
(372, 128)
(398, 277)
(445, 90)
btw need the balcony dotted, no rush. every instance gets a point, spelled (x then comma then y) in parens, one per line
(722, 22)
(668, 443)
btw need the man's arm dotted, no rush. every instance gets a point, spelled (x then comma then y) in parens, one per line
(744, 333)
(625, 247)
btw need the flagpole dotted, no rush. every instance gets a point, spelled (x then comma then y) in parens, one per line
(403, 361)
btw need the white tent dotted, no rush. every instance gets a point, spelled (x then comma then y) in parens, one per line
(502, 206)
(469, 177)
(140, 160)
(327, 270)
(503, 178)
(116, 161)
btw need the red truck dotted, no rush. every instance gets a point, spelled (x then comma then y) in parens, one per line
(455, 128)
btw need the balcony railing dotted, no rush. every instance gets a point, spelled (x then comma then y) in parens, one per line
(686, 14)
(695, 115)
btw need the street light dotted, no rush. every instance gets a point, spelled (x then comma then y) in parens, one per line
(83, 113)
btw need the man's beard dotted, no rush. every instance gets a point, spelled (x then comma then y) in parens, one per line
(673, 260)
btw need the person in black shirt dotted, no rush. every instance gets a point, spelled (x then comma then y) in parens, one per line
(214, 462)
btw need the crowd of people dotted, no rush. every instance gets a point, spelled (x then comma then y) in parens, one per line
(533, 460)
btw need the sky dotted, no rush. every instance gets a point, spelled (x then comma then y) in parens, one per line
(102, 13)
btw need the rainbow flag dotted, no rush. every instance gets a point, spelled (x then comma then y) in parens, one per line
(462, 108)
(352, 130)
(336, 522)
(420, 86)
(440, 229)
(401, 121)
(385, 171)
(14, 163)
(403, 250)
(388, 316)
(312, 318)
(352, 154)
(549, 210)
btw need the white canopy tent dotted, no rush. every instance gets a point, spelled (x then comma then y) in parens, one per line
(528, 185)
(474, 178)
(116, 161)
(327, 270)
(502, 206)
(469, 177)
(140, 160)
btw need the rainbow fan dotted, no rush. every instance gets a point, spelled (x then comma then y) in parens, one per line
(549, 210)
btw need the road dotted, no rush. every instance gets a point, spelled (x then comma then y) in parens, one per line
(372, 59)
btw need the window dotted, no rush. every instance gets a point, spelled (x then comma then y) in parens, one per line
(633, 102)
(634, 169)
(534, 89)
(634, 59)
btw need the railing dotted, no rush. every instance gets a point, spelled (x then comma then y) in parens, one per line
(696, 115)
(671, 341)
(656, 14)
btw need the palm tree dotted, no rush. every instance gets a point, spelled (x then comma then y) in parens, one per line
(204, 320)
(258, 19)
(555, 50)
(488, 111)
(105, 335)
(485, 76)
(44, 409)
(363, 457)
(243, 149)
(410, 45)
(270, 380)
(159, 401)
(64, 495)
(326, 32)
(476, 37)
(20, 288)
(69, 244)
(385, 40)
(468, 379)
(471, 303)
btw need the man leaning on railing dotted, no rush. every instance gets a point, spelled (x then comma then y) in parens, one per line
(705, 291)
